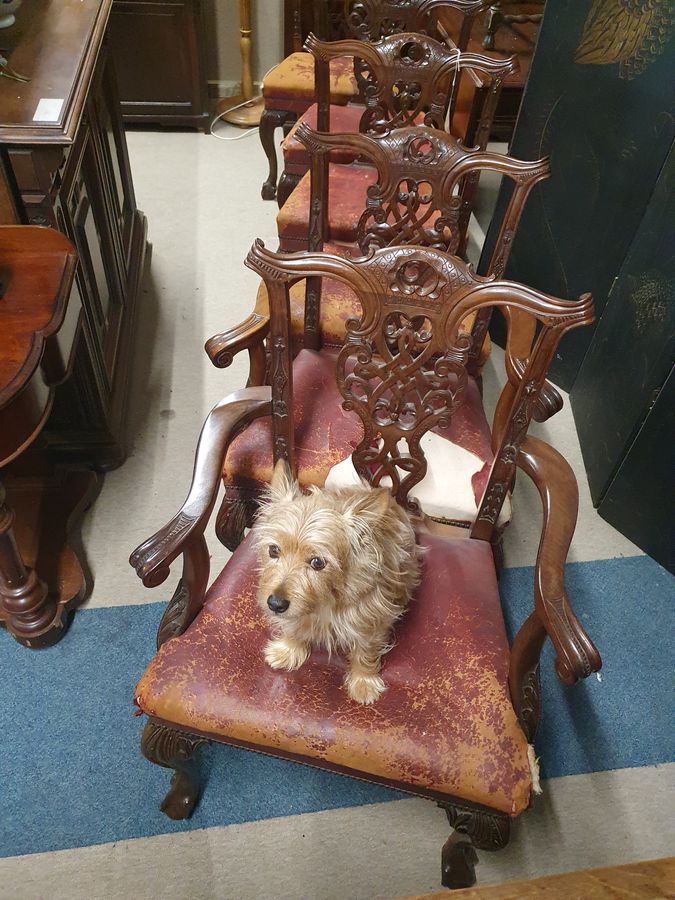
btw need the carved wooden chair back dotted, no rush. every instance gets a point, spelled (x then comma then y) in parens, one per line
(403, 367)
(405, 76)
(420, 196)
(369, 20)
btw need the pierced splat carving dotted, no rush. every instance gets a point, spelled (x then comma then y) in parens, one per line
(407, 77)
(417, 197)
(369, 20)
(403, 366)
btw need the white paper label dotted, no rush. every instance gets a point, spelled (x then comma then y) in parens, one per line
(48, 110)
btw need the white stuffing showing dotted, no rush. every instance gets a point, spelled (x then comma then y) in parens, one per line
(534, 769)
(446, 492)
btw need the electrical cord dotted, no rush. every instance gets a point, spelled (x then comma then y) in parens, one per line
(238, 106)
(237, 137)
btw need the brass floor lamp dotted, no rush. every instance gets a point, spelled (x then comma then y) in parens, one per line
(248, 113)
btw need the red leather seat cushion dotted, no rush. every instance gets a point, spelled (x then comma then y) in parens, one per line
(290, 85)
(444, 726)
(338, 304)
(343, 120)
(347, 190)
(325, 435)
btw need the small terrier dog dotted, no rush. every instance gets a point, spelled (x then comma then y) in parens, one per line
(337, 568)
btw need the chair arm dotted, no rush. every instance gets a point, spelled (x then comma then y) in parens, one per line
(247, 335)
(576, 655)
(153, 558)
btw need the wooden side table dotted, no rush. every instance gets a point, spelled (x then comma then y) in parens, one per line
(40, 321)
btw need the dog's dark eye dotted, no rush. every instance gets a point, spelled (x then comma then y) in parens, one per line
(274, 551)
(317, 563)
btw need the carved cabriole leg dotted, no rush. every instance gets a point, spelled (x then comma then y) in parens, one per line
(270, 120)
(287, 184)
(30, 616)
(174, 749)
(473, 829)
(234, 517)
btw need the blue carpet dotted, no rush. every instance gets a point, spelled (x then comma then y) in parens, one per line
(71, 773)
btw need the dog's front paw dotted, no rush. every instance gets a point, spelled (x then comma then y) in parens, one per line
(281, 654)
(364, 689)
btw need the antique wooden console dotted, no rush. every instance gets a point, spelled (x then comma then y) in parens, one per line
(64, 164)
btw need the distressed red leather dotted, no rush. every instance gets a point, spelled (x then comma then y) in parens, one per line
(347, 196)
(343, 120)
(445, 724)
(338, 304)
(325, 434)
(290, 85)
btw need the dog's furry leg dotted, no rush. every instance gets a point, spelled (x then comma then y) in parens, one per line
(286, 653)
(363, 682)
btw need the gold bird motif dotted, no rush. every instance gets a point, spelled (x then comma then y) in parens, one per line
(632, 33)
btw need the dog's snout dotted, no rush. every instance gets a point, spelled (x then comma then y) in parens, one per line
(277, 604)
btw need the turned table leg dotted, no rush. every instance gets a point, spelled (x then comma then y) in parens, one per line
(28, 613)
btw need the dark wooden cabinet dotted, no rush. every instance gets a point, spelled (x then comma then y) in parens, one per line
(156, 49)
(73, 174)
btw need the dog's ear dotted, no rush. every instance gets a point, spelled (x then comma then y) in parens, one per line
(282, 485)
(366, 509)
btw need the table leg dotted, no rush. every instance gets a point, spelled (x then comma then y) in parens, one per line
(29, 614)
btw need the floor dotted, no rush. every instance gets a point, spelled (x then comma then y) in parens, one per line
(80, 816)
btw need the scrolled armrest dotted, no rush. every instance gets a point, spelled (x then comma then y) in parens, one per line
(576, 655)
(152, 559)
(223, 347)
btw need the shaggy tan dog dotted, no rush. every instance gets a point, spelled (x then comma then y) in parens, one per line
(337, 569)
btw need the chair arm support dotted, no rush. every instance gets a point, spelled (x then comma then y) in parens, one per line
(185, 532)
(576, 655)
(247, 335)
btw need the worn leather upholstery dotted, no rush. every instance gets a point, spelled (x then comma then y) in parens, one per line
(290, 85)
(326, 435)
(444, 726)
(347, 196)
(338, 304)
(343, 120)
(346, 120)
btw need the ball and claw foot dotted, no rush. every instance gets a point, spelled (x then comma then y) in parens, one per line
(459, 860)
(268, 191)
(174, 749)
(182, 797)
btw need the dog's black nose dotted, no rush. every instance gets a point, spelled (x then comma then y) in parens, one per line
(277, 604)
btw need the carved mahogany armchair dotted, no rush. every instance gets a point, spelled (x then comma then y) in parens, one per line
(289, 89)
(417, 199)
(461, 707)
(408, 80)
